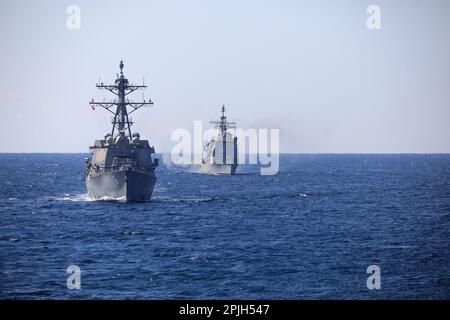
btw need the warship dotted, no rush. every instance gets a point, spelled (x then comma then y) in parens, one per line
(221, 154)
(120, 166)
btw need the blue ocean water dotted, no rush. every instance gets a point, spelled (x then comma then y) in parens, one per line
(309, 232)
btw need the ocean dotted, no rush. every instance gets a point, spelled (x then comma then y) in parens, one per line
(309, 232)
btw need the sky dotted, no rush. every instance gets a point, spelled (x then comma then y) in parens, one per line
(311, 69)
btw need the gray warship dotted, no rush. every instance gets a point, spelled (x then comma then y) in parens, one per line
(120, 166)
(221, 153)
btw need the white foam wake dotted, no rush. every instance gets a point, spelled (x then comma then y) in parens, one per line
(83, 198)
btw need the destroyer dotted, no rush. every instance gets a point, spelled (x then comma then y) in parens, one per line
(221, 153)
(121, 166)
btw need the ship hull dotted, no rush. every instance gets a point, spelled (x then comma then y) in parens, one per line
(123, 185)
(225, 169)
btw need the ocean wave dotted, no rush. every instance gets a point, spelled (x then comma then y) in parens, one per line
(290, 195)
(399, 247)
(187, 199)
(133, 233)
(82, 198)
(68, 197)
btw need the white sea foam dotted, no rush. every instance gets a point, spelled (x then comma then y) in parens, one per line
(399, 247)
(187, 199)
(76, 197)
(84, 198)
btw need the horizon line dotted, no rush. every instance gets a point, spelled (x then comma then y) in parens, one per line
(281, 153)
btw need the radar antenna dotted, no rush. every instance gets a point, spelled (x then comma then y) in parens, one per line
(121, 88)
(223, 124)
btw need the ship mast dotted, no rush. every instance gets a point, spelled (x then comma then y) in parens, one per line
(121, 88)
(223, 124)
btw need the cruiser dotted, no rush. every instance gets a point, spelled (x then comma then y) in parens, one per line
(221, 153)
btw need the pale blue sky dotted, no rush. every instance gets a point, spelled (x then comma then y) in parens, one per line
(310, 68)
